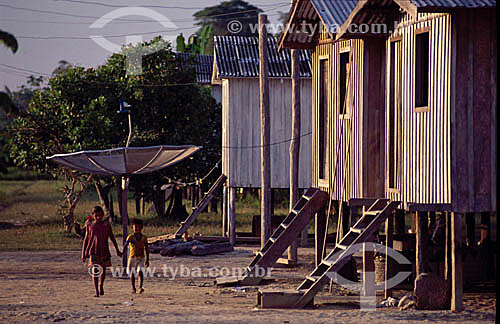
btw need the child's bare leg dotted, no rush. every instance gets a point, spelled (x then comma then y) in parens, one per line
(95, 278)
(141, 280)
(103, 277)
(132, 281)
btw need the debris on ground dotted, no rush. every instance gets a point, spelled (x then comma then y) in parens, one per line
(390, 302)
(173, 247)
(407, 302)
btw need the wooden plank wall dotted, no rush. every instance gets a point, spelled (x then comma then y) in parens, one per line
(425, 160)
(474, 111)
(349, 174)
(241, 130)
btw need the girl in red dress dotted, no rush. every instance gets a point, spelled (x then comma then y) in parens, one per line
(96, 247)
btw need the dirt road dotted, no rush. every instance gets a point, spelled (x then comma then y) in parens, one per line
(56, 287)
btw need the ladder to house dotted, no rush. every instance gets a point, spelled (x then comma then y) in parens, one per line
(201, 206)
(365, 230)
(288, 231)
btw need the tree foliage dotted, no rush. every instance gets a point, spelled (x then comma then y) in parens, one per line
(217, 18)
(78, 111)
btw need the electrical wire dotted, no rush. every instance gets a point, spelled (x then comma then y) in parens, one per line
(58, 13)
(148, 6)
(271, 144)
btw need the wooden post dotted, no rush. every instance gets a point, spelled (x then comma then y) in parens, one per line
(124, 215)
(319, 232)
(399, 222)
(295, 144)
(232, 215)
(486, 255)
(224, 211)
(447, 257)
(265, 134)
(470, 221)
(421, 221)
(389, 228)
(456, 262)
(368, 298)
(346, 220)
(193, 196)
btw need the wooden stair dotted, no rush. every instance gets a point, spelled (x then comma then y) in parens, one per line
(365, 230)
(288, 231)
(201, 206)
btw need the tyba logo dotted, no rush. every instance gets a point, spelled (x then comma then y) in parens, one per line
(368, 287)
(133, 56)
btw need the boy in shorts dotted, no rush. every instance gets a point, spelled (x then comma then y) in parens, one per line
(138, 250)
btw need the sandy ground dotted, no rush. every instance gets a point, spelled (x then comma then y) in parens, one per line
(56, 287)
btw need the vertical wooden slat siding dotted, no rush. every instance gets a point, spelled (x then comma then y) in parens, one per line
(241, 129)
(425, 145)
(474, 110)
(349, 172)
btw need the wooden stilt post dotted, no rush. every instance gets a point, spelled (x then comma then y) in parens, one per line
(389, 228)
(485, 247)
(399, 221)
(232, 215)
(456, 262)
(447, 258)
(319, 232)
(421, 220)
(265, 133)
(470, 220)
(224, 211)
(346, 220)
(368, 298)
(295, 144)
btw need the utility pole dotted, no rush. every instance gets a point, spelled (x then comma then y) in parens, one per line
(295, 146)
(265, 134)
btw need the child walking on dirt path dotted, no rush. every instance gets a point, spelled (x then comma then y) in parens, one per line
(138, 248)
(96, 247)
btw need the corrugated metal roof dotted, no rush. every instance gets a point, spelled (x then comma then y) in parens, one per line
(238, 57)
(454, 3)
(203, 66)
(334, 13)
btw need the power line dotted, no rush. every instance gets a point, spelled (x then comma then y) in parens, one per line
(271, 144)
(23, 70)
(148, 6)
(113, 36)
(121, 19)
(106, 36)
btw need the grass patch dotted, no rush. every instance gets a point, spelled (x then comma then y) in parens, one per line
(29, 218)
(16, 174)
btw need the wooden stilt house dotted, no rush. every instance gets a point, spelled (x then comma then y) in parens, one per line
(404, 120)
(236, 69)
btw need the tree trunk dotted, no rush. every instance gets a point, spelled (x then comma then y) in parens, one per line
(119, 199)
(69, 221)
(103, 194)
(171, 202)
(138, 204)
(72, 198)
(159, 201)
(178, 210)
(112, 208)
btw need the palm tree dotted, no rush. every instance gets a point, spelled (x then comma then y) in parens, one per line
(5, 100)
(8, 40)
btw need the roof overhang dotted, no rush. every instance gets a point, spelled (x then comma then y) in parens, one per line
(215, 73)
(302, 12)
(372, 12)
